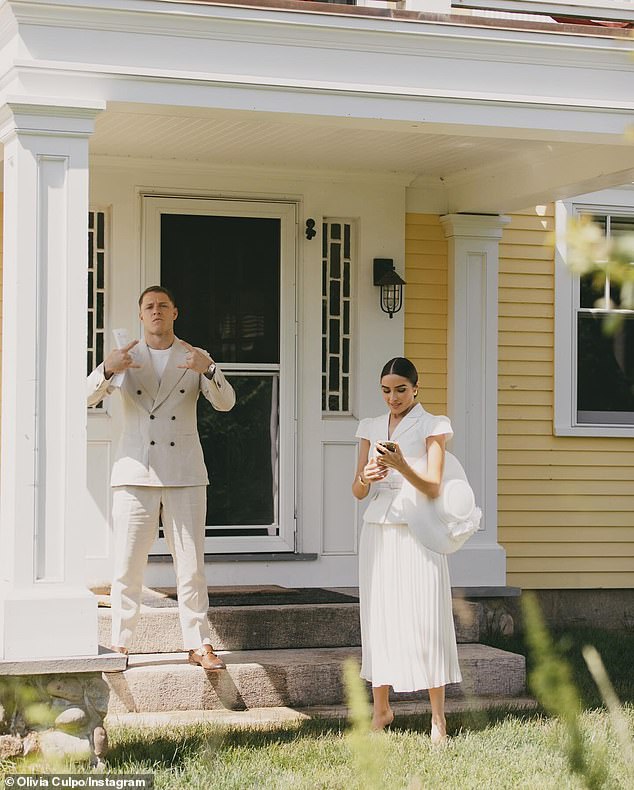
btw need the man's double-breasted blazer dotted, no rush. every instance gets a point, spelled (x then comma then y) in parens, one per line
(159, 444)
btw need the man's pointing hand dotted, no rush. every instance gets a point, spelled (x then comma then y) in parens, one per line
(119, 359)
(196, 359)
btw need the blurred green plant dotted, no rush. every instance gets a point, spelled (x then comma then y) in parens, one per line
(552, 683)
(367, 747)
(25, 706)
(617, 716)
(591, 254)
(25, 711)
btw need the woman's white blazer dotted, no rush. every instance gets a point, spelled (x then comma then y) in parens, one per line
(386, 504)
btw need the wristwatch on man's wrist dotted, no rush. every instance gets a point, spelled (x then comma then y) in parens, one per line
(209, 373)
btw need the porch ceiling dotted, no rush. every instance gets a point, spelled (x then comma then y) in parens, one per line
(299, 143)
(489, 117)
(453, 165)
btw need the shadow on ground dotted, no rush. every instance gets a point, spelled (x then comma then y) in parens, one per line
(172, 749)
(615, 647)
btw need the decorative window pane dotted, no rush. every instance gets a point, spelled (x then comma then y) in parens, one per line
(336, 292)
(97, 256)
(605, 343)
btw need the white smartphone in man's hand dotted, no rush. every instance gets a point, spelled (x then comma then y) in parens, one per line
(121, 337)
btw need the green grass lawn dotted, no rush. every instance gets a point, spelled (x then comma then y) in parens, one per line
(493, 750)
(508, 751)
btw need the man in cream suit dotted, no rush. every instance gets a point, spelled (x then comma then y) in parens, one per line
(159, 468)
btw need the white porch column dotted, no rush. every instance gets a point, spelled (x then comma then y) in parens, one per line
(45, 608)
(472, 351)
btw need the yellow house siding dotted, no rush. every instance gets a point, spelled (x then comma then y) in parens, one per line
(565, 504)
(426, 307)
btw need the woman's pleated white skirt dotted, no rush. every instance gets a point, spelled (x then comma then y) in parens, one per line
(407, 631)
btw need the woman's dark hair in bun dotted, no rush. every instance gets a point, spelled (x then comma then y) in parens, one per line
(401, 366)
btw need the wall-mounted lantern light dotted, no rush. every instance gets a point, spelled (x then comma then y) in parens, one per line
(385, 276)
(310, 229)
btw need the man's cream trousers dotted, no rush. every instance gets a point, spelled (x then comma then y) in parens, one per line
(135, 516)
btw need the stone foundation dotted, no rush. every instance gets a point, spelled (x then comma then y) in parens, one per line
(54, 716)
(611, 610)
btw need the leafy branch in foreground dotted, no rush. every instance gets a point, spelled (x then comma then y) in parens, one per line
(552, 682)
(590, 252)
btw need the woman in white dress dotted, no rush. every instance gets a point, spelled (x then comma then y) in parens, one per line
(407, 631)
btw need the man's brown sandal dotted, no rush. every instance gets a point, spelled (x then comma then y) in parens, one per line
(208, 661)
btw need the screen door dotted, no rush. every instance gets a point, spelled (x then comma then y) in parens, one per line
(231, 267)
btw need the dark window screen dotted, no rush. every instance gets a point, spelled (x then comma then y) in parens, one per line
(225, 275)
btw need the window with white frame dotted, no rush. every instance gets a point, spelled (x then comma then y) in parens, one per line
(594, 347)
(605, 343)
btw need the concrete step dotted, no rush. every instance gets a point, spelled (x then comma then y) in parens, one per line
(269, 627)
(280, 678)
(283, 716)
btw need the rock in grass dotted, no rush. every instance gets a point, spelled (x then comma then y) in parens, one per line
(61, 745)
(31, 744)
(72, 719)
(10, 746)
(100, 741)
(67, 688)
(98, 693)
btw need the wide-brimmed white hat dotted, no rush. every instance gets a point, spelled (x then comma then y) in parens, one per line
(443, 524)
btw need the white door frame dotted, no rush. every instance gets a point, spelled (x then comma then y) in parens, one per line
(153, 207)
